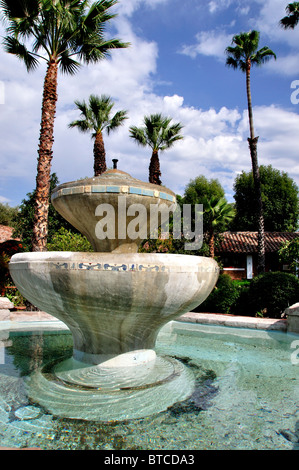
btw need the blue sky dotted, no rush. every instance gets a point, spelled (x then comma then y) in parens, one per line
(176, 66)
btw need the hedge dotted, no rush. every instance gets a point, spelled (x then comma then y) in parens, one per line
(267, 295)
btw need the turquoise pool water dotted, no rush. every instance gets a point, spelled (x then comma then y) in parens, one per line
(246, 396)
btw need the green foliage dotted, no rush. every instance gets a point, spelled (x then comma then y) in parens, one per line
(25, 218)
(96, 115)
(292, 18)
(266, 295)
(200, 188)
(280, 197)
(7, 288)
(272, 293)
(218, 214)
(223, 297)
(245, 52)
(59, 31)
(65, 240)
(158, 132)
(7, 214)
(289, 254)
(16, 297)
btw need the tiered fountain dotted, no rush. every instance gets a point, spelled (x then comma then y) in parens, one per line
(114, 301)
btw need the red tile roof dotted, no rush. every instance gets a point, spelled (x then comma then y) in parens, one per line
(5, 233)
(247, 242)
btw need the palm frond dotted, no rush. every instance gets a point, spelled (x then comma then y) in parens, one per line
(246, 51)
(96, 115)
(13, 46)
(117, 120)
(138, 134)
(292, 18)
(67, 64)
(81, 124)
(263, 55)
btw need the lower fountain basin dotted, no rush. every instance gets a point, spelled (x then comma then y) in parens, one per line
(113, 303)
(114, 306)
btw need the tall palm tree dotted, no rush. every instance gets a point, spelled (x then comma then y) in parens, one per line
(243, 56)
(217, 214)
(159, 134)
(56, 31)
(96, 117)
(292, 18)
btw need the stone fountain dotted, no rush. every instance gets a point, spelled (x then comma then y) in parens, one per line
(114, 301)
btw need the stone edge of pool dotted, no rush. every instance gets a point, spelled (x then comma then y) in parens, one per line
(190, 317)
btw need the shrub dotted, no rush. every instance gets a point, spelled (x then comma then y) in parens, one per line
(272, 293)
(7, 288)
(65, 240)
(223, 298)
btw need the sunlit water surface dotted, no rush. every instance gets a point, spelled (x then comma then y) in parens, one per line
(246, 396)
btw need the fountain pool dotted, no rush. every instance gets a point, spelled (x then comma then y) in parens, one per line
(246, 394)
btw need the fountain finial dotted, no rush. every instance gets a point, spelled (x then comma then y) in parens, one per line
(115, 160)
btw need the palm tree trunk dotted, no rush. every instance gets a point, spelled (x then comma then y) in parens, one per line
(212, 245)
(249, 100)
(154, 169)
(42, 196)
(260, 215)
(256, 178)
(99, 155)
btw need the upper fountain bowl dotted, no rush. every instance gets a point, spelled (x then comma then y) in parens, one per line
(109, 203)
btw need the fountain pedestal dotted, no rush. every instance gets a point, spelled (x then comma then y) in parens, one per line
(114, 303)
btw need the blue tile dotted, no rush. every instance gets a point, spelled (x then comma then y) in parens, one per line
(98, 189)
(113, 189)
(148, 192)
(135, 190)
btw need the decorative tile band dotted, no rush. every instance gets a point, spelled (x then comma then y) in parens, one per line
(129, 267)
(109, 267)
(119, 267)
(97, 188)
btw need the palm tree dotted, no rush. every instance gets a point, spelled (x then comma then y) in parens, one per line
(218, 213)
(159, 134)
(292, 18)
(57, 32)
(96, 117)
(243, 56)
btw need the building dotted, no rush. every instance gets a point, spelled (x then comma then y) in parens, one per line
(5, 233)
(238, 252)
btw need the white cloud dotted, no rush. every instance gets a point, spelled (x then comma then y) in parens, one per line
(128, 7)
(208, 43)
(216, 5)
(215, 142)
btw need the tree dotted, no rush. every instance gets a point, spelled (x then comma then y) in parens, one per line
(96, 117)
(289, 254)
(292, 18)
(200, 188)
(218, 213)
(57, 31)
(7, 214)
(280, 196)
(159, 134)
(24, 221)
(67, 240)
(243, 56)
